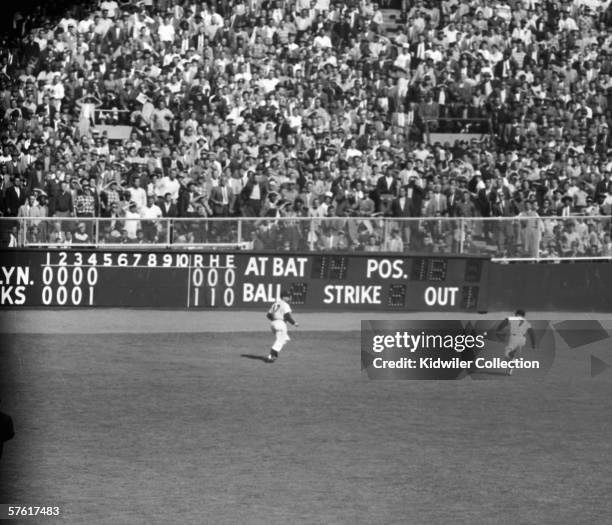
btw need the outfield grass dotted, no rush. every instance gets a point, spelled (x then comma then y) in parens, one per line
(179, 428)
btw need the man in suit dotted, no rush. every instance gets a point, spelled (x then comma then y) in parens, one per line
(386, 190)
(505, 231)
(404, 207)
(254, 194)
(185, 199)
(416, 194)
(452, 200)
(318, 152)
(199, 41)
(47, 109)
(34, 176)
(220, 198)
(506, 67)
(168, 208)
(226, 33)
(117, 35)
(438, 204)
(418, 50)
(14, 198)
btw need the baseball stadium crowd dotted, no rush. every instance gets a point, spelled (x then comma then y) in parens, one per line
(278, 110)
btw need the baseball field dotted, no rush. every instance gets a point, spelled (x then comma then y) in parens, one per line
(146, 417)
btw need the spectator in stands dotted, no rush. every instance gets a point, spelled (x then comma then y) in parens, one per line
(395, 243)
(80, 236)
(150, 214)
(168, 207)
(31, 209)
(220, 198)
(60, 234)
(132, 222)
(14, 197)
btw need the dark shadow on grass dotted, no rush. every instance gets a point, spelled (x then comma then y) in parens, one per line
(262, 358)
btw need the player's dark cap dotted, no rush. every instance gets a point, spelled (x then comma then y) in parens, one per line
(285, 293)
(520, 313)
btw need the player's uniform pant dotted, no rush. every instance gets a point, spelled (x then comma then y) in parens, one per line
(279, 328)
(515, 343)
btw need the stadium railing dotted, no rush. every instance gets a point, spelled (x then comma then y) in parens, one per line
(502, 238)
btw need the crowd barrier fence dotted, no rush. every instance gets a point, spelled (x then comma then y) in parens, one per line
(505, 238)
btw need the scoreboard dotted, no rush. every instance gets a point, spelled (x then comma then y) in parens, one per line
(241, 280)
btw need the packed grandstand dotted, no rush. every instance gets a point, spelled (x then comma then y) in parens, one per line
(441, 126)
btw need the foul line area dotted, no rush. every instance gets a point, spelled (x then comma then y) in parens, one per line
(135, 320)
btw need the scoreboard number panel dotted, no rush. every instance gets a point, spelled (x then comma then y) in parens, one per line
(396, 296)
(473, 269)
(241, 280)
(333, 267)
(429, 269)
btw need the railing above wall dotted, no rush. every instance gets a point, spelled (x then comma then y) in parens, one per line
(501, 238)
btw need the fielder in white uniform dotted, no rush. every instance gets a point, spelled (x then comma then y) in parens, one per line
(279, 315)
(518, 328)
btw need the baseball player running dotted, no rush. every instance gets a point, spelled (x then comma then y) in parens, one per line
(279, 315)
(518, 327)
